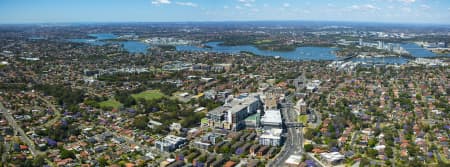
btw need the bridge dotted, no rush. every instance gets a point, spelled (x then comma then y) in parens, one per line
(294, 124)
(346, 58)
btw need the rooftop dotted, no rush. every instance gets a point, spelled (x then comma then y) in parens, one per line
(273, 133)
(235, 104)
(272, 116)
(294, 159)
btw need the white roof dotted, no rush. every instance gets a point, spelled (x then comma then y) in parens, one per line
(294, 160)
(199, 109)
(379, 147)
(272, 116)
(333, 156)
(273, 133)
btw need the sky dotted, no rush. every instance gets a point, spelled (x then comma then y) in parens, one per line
(72, 11)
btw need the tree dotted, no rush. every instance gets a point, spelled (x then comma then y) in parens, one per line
(102, 161)
(309, 134)
(364, 162)
(39, 160)
(389, 153)
(141, 122)
(224, 150)
(67, 154)
(372, 142)
(308, 147)
(372, 153)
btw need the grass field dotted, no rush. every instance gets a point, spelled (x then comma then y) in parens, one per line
(265, 41)
(303, 119)
(110, 103)
(148, 95)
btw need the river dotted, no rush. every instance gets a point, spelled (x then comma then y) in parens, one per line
(300, 53)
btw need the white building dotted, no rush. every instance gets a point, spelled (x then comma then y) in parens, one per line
(272, 119)
(233, 113)
(170, 143)
(271, 137)
(294, 160)
(332, 158)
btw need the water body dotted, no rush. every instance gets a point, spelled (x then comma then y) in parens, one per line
(37, 38)
(88, 41)
(103, 36)
(130, 46)
(418, 51)
(135, 46)
(301, 53)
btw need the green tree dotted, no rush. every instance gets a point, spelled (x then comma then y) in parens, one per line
(39, 160)
(140, 122)
(372, 153)
(308, 147)
(224, 150)
(372, 142)
(102, 161)
(389, 153)
(67, 154)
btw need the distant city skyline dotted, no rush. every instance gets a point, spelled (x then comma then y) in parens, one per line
(71, 11)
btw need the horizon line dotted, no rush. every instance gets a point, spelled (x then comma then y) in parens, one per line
(227, 21)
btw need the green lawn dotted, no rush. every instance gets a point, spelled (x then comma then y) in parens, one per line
(264, 41)
(148, 95)
(110, 103)
(303, 119)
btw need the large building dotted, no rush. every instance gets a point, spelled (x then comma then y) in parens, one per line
(272, 97)
(272, 119)
(232, 114)
(170, 143)
(271, 137)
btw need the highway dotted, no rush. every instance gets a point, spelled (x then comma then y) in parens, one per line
(294, 140)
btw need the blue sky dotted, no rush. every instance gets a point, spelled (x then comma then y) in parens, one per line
(55, 11)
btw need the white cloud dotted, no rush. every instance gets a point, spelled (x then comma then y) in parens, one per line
(364, 7)
(254, 10)
(246, 1)
(423, 6)
(407, 1)
(190, 4)
(286, 5)
(158, 2)
(406, 9)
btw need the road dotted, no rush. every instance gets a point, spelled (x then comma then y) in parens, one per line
(12, 122)
(294, 140)
(5, 153)
(318, 162)
(55, 110)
